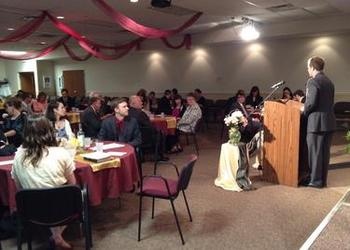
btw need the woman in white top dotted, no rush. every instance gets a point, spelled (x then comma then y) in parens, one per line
(40, 163)
(56, 113)
(187, 123)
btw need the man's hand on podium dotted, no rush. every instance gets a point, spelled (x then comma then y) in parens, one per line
(302, 108)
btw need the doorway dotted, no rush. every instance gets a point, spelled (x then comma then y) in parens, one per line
(74, 82)
(27, 82)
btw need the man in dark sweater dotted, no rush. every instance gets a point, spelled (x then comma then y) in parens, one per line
(91, 118)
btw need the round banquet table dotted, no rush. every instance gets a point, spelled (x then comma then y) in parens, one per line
(167, 124)
(106, 183)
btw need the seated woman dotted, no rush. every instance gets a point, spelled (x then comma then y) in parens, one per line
(178, 107)
(40, 163)
(287, 94)
(40, 104)
(56, 113)
(14, 123)
(254, 98)
(186, 124)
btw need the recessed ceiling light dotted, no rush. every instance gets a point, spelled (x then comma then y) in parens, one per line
(134, 1)
(10, 29)
(43, 43)
(60, 17)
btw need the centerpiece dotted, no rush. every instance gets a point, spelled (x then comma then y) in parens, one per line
(233, 121)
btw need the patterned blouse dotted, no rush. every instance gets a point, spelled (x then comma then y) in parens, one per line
(188, 121)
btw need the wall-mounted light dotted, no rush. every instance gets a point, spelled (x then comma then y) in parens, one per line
(248, 31)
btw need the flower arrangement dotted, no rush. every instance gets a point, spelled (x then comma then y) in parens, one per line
(347, 137)
(233, 120)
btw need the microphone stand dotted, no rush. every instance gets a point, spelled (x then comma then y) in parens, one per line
(268, 97)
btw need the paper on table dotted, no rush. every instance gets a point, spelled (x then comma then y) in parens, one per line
(6, 162)
(116, 153)
(110, 146)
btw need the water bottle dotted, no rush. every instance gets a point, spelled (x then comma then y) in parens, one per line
(81, 136)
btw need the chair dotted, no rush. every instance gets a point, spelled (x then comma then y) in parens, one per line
(50, 208)
(342, 114)
(192, 133)
(150, 142)
(159, 187)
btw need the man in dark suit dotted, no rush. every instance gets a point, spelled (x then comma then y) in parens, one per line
(120, 127)
(148, 131)
(253, 125)
(164, 104)
(91, 118)
(67, 101)
(318, 109)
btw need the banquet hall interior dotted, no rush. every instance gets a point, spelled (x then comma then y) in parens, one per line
(207, 51)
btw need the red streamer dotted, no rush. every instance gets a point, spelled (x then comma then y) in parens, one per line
(25, 30)
(187, 42)
(73, 56)
(138, 29)
(35, 54)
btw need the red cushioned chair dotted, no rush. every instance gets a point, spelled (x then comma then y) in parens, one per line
(159, 187)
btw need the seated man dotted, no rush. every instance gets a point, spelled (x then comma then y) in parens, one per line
(145, 124)
(91, 118)
(120, 127)
(299, 96)
(253, 125)
(67, 101)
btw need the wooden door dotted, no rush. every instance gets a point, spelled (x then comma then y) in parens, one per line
(27, 82)
(74, 82)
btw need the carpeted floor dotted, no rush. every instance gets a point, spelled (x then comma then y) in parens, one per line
(271, 217)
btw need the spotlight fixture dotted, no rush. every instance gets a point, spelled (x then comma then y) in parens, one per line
(248, 31)
(134, 1)
(161, 3)
(60, 17)
(10, 29)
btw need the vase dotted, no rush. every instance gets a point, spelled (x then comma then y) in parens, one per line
(234, 135)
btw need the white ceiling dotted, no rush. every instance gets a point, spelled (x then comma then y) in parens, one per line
(86, 18)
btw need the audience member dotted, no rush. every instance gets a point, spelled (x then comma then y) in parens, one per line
(178, 107)
(67, 101)
(187, 123)
(153, 103)
(39, 105)
(27, 100)
(174, 92)
(14, 123)
(299, 96)
(120, 127)
(145, 123)
(232, 100)
(164, 105)
(142, 93)
(56, 113)
(254, 98)
(91, 118)
(287, 94)
(40, 163)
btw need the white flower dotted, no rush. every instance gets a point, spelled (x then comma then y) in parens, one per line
(233, 119)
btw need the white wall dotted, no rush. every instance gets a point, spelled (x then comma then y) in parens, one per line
(220, 69)
(13, 68)
(46, 68)
(2, 70)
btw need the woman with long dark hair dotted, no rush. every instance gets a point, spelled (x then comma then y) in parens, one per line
(40, 163)
(56, 113)
(254, 98)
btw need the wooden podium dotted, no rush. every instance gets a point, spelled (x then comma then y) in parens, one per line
(281, 142)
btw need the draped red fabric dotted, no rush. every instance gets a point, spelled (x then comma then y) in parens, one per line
(25, 30)
(187, 42)
(98, 54)
(35, 54)
(138, 29)
(73, 56)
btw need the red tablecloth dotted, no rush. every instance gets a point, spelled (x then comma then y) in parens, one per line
(167, 125)
(106, 183)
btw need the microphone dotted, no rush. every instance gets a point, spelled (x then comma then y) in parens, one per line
(279, 84)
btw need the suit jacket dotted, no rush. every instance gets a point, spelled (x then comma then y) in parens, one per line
(91, 122)
(319, 104)
(164, 106)
(141, 118)
(130, 132)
